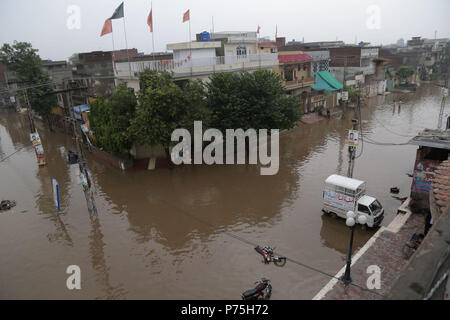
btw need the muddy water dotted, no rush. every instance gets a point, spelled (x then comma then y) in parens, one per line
(171, 234)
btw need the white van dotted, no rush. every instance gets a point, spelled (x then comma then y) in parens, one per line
(343, 194)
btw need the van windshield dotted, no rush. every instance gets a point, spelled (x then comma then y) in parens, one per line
(375, 206)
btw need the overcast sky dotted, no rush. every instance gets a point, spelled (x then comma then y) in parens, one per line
(44, 22)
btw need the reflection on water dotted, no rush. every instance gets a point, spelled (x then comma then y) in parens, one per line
(166, 234)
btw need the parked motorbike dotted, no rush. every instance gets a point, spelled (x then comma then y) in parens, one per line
(269, 256)
(7, 205)
(262, 291)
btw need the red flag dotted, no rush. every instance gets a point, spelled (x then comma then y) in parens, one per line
(186, 16)
(107, 27)
(259, 28)
(150, 20)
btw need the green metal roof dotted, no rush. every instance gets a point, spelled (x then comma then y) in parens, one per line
(328, 77)
(321, 84)
(326, 81)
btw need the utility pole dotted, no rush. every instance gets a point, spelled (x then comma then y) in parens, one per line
(77, 134)
(352, 149)
(444, 98)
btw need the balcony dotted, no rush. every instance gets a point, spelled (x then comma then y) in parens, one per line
(297, 84)
(188, 68)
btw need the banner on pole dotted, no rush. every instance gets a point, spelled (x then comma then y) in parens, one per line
(353, 137)
(40, 155)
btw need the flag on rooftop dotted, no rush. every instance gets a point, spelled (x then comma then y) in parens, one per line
(150, 20)
(186, 16)
(107, 27)
(259, 28)
(118, 13)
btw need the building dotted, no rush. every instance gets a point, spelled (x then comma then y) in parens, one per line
(154, 61)
(98, 66)
(59, 72)
(325, 91)
(320, 56)
(315, 45)
(434, 148)
(212, 53)
(352, 63)
(295, 72)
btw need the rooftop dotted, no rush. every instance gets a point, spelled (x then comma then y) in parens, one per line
(344, 182)
(441, 185)
(194, 45)
(432, 138)
(292, 58)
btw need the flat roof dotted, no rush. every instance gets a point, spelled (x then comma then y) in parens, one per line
(432, 138)
(344, 182)
(194, 45)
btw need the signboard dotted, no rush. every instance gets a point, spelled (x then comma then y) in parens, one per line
(12, 99)
(339, 200)
(56, 194)
(353, 137)
(423, 175)
(344, 96)
(444, 92)
(40, 155)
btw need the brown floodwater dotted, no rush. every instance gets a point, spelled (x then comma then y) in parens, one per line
(178, 233)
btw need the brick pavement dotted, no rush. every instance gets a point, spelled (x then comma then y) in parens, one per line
(385, 252)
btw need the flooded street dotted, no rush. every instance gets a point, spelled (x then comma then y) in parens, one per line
(187, 233)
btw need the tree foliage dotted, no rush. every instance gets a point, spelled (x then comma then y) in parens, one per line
(251, 100)
(405, 72)
(21, 58)
(445, 60)
(164, 106)
(110, 120)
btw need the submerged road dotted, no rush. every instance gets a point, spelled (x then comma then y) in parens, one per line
(176, 234)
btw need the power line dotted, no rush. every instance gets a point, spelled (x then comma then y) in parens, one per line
(7, 157)
(244, 240)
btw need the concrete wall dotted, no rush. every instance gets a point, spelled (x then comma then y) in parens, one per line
(230, 48)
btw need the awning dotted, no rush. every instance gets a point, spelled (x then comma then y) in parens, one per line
(326, 81)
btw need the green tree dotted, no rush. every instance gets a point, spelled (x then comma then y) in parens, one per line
(405, 72)
(165, 106)
(445, 59)
(21, 58)
(110, 120)
(251, 100)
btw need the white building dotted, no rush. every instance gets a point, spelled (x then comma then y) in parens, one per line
(225, 52)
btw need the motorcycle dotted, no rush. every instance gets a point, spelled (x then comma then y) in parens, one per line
(7, 205)
(262, 291)
(269, 256)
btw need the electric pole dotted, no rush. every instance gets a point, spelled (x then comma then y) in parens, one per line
(352, 149)
(444, 98)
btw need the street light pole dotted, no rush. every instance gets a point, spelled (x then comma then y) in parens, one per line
(351, 222)
(347, 279)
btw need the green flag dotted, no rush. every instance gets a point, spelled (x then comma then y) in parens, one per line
(118, 13)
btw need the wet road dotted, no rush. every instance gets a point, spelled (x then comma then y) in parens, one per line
(170, 234)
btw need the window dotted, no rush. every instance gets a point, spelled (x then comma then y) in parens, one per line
(288, 75)
(375, 206)
(362, 208)
(304, 67)
(241, 50)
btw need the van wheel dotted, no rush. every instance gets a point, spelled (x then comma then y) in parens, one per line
(333, 215)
